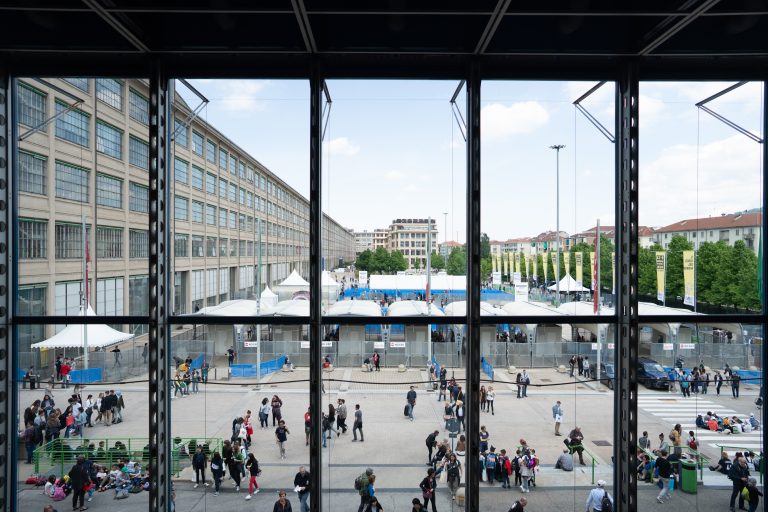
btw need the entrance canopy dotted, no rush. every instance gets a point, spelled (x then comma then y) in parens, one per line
(569, 285)
(413, 308)
(73, 336)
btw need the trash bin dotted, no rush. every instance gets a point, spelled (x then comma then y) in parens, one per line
(688, 476)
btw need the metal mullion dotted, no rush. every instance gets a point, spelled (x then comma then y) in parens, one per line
(80, 320)
(764, 284)
(544, 319)
(159, 350)
(316, 86)
(626, 357)
(402, 320)
(472, 361)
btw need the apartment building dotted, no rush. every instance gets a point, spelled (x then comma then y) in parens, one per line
(409, 236)
(728, 228)
(83, 164)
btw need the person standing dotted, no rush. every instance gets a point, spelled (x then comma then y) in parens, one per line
(144, 353)
(282, 504)
(264, 411)
(739, 476)
(307, 425)
(341, 416)
(664, 469)
(428, 485)
(735, 382)
(358, 424)
(597, 498)
(361, 485)
(557, 415)
(572, 363)
(376, 361)
(718, 382)
(443, 385)
(460, 415)
(519, 383)
(277, 414)
(580, 363)
(676, 436)
(586, 368)
(230, 356)
(118, 356)
(281, 437)
(301, 482)
(644, 442)
(199, 461)
(483, 399)
(453, 471)
(411, 399)
(252, 465)
(431, 442)
(78, 479)
(217, 469)
(526, 383)
(490, 396)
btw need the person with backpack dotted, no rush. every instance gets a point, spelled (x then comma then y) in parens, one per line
(252, 465)
(428, 486)
(516, 463)
(199, 462)
(361, 486)
(526, 472)
(490, 465)
(78, 479)
(599, 500)
(506, 469)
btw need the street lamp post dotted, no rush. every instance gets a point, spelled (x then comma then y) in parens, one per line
(557, 148)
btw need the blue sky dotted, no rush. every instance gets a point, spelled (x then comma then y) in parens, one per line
(393, 149)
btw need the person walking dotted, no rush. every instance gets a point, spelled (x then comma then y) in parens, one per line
(217, 469)
(664, 469)
(252, 465)
(361, 486)
(483, 399)
(282, 504)
(490, 396)
(281, 437)
(79, 479)
(277, 414)
(526, 383)
(431, 442)
(341, 416)
(599, 499)
(264, 411)
(685, 384)
(453, 472)
(358, 424)
(411, 399)
(735, 383)
(428, 486)
(557, 415)
(301, 482)
(718, 382)
(199, 462)
(739, 476)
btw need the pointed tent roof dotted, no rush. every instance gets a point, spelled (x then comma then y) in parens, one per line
(99, 335)
(413, 308)
(267, 293)
(237, 307)
(569, 284)
(294, 280)
(327, 280)
(294, 307)
(459, 308)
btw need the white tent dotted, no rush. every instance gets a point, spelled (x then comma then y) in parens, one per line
(268, 298)
(238, 307)
(569, 285)
(459, 308)
(293, 283)
(413, 308)
(294, 280)
(355, 308)
(330, 287)
(287, 308)
(417, 282)
(72, 336)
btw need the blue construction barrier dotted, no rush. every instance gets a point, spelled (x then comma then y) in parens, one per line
(437, 367)
(197, 362)
(251, 370)
(487, 367)
(88, 376)
(22, 373)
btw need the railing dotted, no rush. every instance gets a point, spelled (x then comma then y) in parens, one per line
(58, 455)
(741, 448)
(584, 448)
(487, 367)
(700, 459)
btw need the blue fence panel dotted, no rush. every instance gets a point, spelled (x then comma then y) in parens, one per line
(437, 366)
(251, 370)
(487, 367)
(22, 373)
(197, 362)
(88, 376)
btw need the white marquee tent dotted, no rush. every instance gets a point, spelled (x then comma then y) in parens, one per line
(268, 298)
(569, 285)
(73, 336)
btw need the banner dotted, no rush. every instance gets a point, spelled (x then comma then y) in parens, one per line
(554, 264)
(527, 266)
(521, 292)
(592, 268)
(494, 261)
(579, 268)
(689, 263)
(661, 270)
(567, 262)
(544, 264)
(517, 263)
(613, 272)
(505, 264)
(535, 258)
(509, 258)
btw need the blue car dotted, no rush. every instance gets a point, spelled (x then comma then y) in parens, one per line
(652, 374)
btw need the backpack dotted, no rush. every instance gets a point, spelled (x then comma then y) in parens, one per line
(490, 460)
(360, 483)
(507, 466)
(605, 503)
(516, 464)
(58, 493)
(531, 463)
(745, 493)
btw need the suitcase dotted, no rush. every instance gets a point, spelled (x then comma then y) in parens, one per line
(405, 411)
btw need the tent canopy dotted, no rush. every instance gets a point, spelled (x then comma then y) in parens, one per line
(417, 283)
(327, 281)
(294, 280)
(413, 308)
(459, 308)
(238, 307)
(355, 308)
(568, 285)
(267, 293)
(268, 298)
(73, 336)
(293, 307)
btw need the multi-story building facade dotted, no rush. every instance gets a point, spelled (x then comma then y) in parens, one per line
(380, 238)
(519, 245)
(83, 160)
(409, 236)
(547, 241)
(363, 241)
(728, 228)
(445, 248)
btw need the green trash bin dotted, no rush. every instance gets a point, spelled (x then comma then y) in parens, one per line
(688, 476)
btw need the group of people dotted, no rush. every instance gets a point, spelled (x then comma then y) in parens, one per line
(580, 363)
(712, 422)
(697, 380)
(187, 379)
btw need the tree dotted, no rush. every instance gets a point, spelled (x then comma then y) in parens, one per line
(606, 276)
(485, 246)
(486, 267)
(712, 259)
(397, 262)
(363, 260)
(646, 280)
(457, 262)
(379, 262)
(417, 263)
(743, 275)
(437, 261)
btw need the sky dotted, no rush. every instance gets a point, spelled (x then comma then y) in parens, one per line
(393, 149)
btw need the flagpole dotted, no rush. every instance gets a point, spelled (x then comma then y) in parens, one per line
(85, 293)
(429, 287)
(596, 306)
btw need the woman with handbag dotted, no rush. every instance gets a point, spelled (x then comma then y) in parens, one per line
(428, 486)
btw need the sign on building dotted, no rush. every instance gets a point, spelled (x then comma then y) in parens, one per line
(496, 278)
(363, 278)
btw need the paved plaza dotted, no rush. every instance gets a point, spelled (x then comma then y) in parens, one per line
(394, 447)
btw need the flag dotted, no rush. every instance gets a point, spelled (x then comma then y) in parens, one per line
(87, 262)
(596, 277)
(689, 264)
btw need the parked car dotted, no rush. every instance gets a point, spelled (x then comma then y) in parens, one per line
(607, 374)
(652, 374)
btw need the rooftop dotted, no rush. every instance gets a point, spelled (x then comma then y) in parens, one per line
(734, 220)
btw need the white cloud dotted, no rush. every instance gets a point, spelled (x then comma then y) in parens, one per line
(241, 95)
(343, 146)
(393, 175)
(499, 121)
(727, 180)
(651, 110)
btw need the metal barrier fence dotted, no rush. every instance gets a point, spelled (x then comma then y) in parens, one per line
(714, 355)
(251, 370)
(58, 456)
(487, 368)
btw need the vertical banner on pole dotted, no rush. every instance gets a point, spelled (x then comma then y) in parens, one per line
(661, 278)
(505, 264)
(689, 263)
(567, 262)
(527, 266)
(510, 256)
(535, 261)
(554, 263)
(579, 257)
(592, 267)
(494, 262)
(544, 264)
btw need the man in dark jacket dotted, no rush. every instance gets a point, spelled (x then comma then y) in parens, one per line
(431, 443)
(78, 479)
(739, 476)
(301, 482)
(665, 472)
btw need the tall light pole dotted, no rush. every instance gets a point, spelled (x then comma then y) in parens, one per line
(557, 148)
(445, 226)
